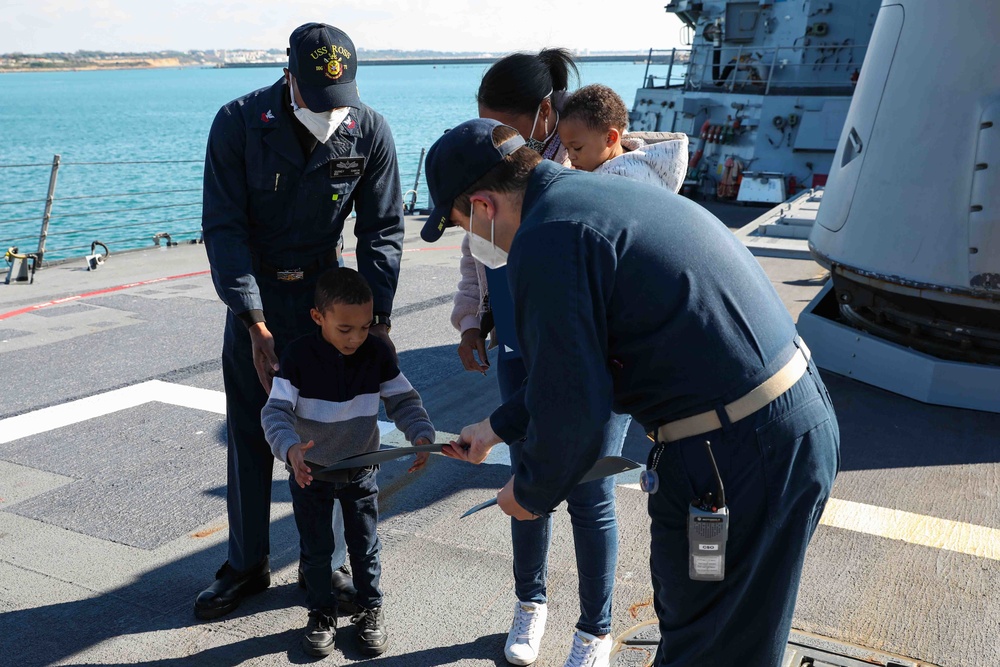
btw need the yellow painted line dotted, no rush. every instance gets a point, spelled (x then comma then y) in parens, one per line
(928, 531)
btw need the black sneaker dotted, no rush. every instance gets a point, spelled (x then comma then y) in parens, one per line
(321, 633)
(343, 589)
(372, 638)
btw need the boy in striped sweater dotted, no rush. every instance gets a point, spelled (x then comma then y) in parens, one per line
(323, 407)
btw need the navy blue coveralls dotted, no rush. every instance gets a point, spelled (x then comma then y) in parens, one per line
(270, 206)
(673, 317)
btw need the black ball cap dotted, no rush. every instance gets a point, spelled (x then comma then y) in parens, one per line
(324, 62)
(455, 162)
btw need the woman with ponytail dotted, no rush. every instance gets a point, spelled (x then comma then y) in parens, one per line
(527, 92)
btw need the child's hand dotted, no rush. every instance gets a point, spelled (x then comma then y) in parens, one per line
(297, 459)
(421, 457)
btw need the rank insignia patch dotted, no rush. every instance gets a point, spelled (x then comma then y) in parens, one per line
(347, 166)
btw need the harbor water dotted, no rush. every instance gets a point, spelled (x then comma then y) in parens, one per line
(132, 142)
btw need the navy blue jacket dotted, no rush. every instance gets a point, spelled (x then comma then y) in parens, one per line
(631, 298)
(264, 200)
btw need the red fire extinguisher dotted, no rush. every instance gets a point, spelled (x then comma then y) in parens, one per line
(702, 136)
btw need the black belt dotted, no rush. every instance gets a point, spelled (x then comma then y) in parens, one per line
(293, 274)
(335, 476)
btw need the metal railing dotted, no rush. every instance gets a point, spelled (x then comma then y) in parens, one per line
(676, 68)
(145, 201)
(814, 69)
(129, 216)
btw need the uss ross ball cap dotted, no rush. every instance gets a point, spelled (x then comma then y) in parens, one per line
(455, 162)
(324, 63)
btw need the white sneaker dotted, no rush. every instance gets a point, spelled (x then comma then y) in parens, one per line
(526, 632)
(589, 651)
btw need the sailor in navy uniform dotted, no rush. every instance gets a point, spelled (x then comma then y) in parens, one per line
(631, 299)
(285, 165)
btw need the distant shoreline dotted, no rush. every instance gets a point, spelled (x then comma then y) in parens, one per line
(95, 68)
(639, 58)
(473, 60)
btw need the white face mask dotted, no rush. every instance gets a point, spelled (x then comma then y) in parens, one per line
(483, 251)
(321, 125)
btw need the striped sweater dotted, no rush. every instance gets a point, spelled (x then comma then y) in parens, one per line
(322, 395)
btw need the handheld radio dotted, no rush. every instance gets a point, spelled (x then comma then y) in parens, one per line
(708, 529)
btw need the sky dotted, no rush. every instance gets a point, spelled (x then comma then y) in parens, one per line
(38, 26)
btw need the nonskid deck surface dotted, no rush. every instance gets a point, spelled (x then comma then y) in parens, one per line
(112, 493)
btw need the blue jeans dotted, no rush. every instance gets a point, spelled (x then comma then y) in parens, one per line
(778, 467)
(591, 508)
(313, 507)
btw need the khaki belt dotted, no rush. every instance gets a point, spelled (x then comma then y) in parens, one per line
(757, 398)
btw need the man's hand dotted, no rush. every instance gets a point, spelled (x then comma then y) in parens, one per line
(474, 443)
(264, 359)
(382, 331)
(471, 345)
(421, 457)
(509, 504)
(297, 460)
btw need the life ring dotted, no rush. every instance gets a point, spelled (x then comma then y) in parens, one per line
(732, 175)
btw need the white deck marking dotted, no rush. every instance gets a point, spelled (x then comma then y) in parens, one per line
(928, 531)
(84, 409)
(892, 524)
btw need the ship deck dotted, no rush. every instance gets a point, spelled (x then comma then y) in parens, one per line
(112, 494)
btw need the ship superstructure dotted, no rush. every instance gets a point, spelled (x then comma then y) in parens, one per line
(762, 92)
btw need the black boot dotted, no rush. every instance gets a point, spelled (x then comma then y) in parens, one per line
(372, 637)
(321, 632)
(343, 589)
(229, 589)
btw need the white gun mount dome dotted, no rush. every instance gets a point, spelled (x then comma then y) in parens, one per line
(910, 221)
